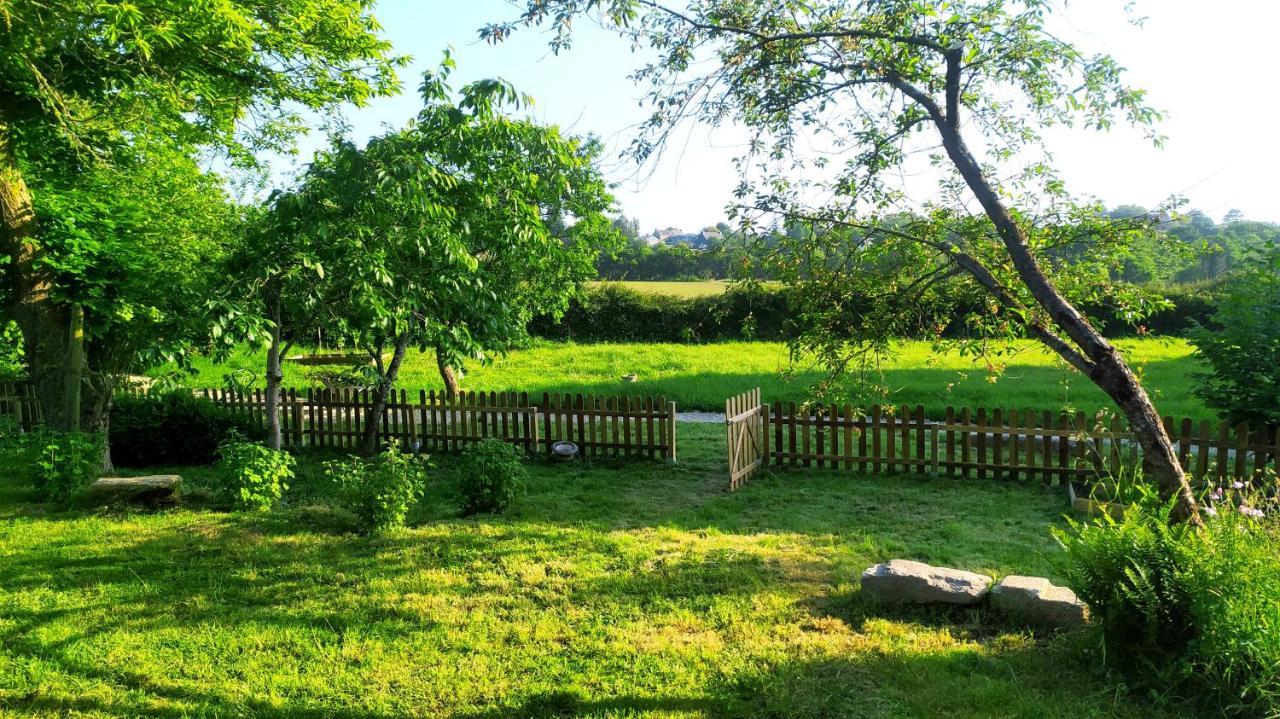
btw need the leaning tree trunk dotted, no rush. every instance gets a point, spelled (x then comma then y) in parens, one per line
(275, 438)
(373, 415)
(1106, 367)
(447, 374)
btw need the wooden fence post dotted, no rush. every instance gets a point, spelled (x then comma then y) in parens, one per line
(671, 429)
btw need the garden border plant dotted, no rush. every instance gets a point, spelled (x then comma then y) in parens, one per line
(252, 475)
(1184, 611)
(381, 490)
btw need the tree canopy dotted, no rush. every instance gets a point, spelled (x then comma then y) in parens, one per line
(91, 92)
(449, 234)
(966, 85)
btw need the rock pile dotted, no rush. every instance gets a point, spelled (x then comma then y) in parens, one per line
(1030, 600)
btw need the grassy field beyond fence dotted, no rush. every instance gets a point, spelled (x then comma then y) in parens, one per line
(686, 290)
(700, 377)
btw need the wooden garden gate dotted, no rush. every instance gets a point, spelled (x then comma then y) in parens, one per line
(746, 420)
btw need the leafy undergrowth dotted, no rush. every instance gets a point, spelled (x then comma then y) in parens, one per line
(606, 591)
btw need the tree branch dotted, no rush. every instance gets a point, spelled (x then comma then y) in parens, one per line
(983, 276)
(921, 98)
(954, 56)
(766, 39)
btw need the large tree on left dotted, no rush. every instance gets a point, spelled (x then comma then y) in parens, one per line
(85, 83)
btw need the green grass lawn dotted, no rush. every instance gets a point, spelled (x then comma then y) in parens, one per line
(642, 590)
(702, 376)
(686, 290)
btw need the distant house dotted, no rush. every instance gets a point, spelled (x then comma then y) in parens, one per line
(700, 241)
(659, 237)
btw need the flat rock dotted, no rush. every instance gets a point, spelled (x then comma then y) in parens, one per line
(1035, 601)
(155, 490)
(901, 581)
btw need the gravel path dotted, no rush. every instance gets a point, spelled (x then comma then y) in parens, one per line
(703, 417)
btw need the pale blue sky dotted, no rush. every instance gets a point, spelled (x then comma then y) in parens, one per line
(1209, 65)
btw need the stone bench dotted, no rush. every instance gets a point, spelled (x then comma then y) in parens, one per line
(153, 491)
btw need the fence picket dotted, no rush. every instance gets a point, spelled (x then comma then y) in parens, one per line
(1064, 449)
(922, 459)
(648, 421)
(980, 419)
(997, 444)
(1242, 449)
(1048, 456)
(951, 440)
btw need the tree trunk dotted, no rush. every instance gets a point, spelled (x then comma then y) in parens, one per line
(373, 416)
(44, 324)
(447, 374)
(75, 367)
(96, 414)
(1109, 371)
(274, 377)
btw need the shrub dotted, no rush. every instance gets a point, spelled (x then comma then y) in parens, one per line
(491, 476)
(383, 490)
(254, 476)
(63, 463)
(1195, 612)
(12, 367)
(1243, 353)
(57, 465)
(173, 428)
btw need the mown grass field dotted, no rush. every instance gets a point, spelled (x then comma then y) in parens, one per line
(686, 290)
(702, 376)
(642, 590)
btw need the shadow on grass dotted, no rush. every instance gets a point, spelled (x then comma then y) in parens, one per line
(253, 576)
(983, 677)
(96, 600)
(959, 684)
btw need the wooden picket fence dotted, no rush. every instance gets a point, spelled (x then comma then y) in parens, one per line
(619, 426)
(432, 422)
(1050, 447)
(18, 405)
(421, 420)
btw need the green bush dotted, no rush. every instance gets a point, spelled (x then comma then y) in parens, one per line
(615, 313)
(1187, 612)
(63, 463)
(173, 428)
(1243, 352)
(12, 366)
(490, 477)
(57, 465)
(254, 476)
(383, 490)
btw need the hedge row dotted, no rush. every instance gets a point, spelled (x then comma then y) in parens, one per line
(613, 313)
(173, 428)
